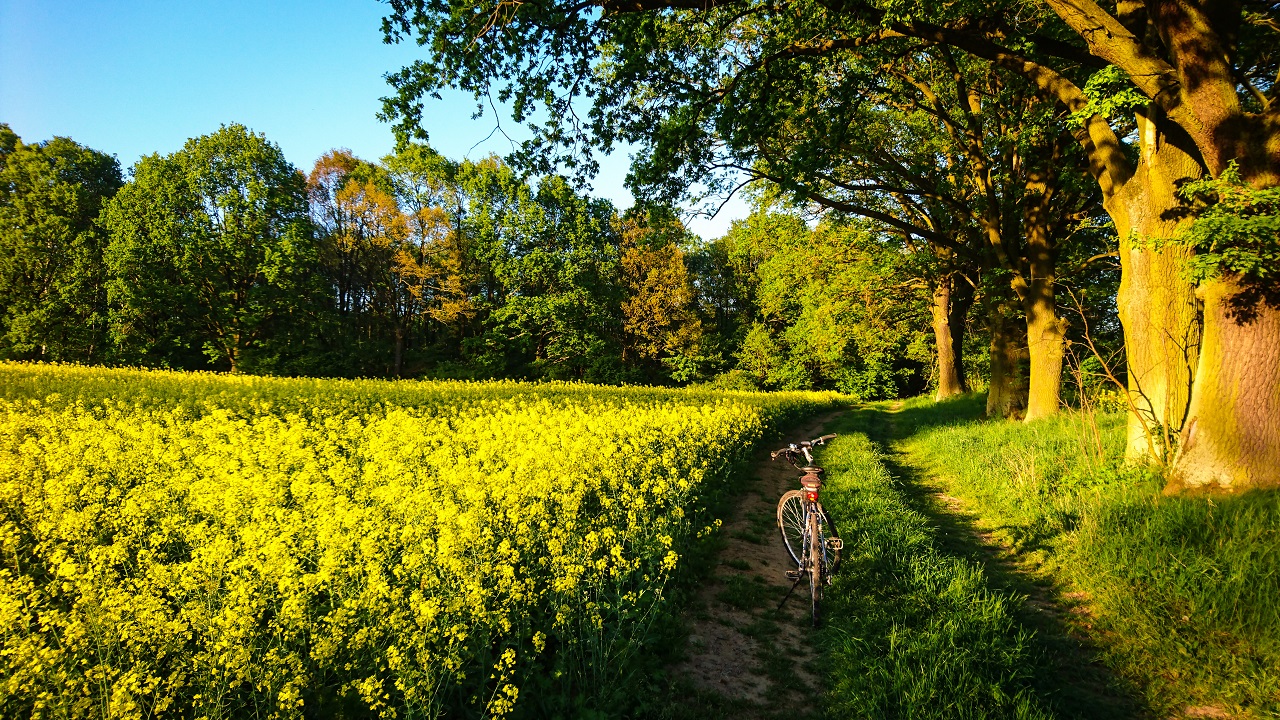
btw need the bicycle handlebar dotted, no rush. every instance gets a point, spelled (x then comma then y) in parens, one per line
(797, 447)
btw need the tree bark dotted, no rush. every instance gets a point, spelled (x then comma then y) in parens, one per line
(1157, 303)
(1232, 436)
(398, 353)
(1045, 349)
(1045, 329)
(233, 353)
(1004, 397)
(949, 338)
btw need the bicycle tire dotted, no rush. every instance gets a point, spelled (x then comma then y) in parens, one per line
(831, 556)
(817, 577)
(791, 524)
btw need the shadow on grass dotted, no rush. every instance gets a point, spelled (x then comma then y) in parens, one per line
(1067, 672)
(918, 414)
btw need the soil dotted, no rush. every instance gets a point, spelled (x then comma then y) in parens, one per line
(742, 649)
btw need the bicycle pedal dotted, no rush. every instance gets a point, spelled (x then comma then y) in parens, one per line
(794, 574)
(835, 543)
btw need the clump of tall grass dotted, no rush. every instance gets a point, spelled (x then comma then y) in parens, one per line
(912, 631)
(1183, 592)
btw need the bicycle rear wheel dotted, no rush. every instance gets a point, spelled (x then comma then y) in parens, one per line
(826, 533)
(817, 575)
(791, 524)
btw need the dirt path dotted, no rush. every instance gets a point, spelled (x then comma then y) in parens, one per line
(743, 652)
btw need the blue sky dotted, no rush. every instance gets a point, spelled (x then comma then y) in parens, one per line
(133, 78)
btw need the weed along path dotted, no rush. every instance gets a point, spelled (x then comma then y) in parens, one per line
(744, 658)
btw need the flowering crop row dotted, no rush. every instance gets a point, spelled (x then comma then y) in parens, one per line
(214, 546)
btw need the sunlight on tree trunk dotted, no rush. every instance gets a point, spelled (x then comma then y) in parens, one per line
(951, 379)
(1045, 330)
(1156, 301)
(1232, 435)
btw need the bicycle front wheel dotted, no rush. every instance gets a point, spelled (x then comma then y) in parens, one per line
(792, 524)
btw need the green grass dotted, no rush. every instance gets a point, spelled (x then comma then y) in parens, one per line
(914, 631)
(1181, 594)
(745, 592)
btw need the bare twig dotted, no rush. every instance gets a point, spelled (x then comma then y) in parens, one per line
(1147, 431)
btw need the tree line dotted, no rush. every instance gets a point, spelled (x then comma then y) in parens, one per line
(224, 256)
(1003, 135)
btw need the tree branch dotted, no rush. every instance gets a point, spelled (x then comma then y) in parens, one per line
(1108, 39)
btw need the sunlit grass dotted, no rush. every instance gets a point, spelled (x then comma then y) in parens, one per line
(1182, 593)
(912, 631)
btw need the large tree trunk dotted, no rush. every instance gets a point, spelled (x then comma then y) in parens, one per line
(1232, 436)
(1045, 348)
(1004, 392)
(1156, 301)
(949, 307)
(1045, 329)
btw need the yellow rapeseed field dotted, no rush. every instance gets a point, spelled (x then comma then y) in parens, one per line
(197, 545)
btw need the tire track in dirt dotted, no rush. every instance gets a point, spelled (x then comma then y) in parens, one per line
(741, 650)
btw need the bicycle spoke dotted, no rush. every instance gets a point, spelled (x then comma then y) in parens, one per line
(791, 522)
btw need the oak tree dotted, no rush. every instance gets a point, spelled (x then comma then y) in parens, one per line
(210, 250)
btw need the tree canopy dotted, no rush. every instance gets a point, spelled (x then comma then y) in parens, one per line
(211, 238)
(52, 293)
(1146, 95)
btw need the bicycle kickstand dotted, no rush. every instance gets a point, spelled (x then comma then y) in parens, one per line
(799, 576)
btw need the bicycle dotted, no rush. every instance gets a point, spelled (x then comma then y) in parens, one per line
(808, 532)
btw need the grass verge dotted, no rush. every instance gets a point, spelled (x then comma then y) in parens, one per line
(914, 631)
(1181, 594)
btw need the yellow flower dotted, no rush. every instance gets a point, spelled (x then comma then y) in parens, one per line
(197, 544)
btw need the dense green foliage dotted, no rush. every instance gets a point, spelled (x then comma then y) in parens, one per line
(1236, 234)
(223, 256)
(210, 248)
(52, 277)
(1180, 592)
(834, 306)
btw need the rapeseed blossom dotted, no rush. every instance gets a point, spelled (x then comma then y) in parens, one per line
(203, 545)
